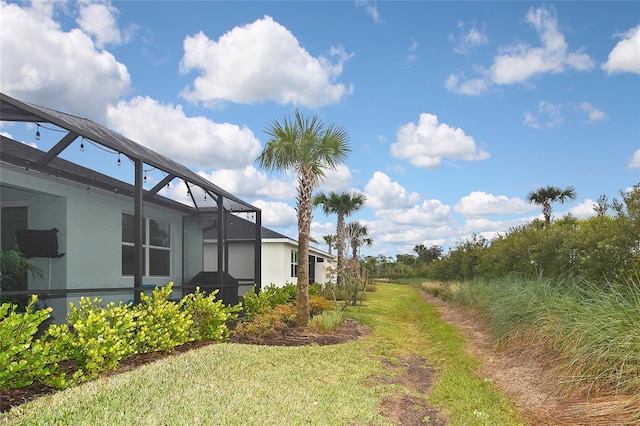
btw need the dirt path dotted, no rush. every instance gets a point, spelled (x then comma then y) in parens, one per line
(521, 375)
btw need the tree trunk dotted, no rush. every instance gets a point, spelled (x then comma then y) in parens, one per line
(304, 229)
(340, 248)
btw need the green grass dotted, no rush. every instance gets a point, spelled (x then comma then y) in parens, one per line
(404, 324)
(235, 384)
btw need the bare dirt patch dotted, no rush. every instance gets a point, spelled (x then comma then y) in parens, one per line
(523, 376)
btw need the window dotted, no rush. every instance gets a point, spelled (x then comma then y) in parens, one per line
(156, 246)
(294, 263)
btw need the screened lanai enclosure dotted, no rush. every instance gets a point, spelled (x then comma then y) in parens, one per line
(91, 233)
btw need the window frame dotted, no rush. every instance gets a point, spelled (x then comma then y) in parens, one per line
(294, 264)
(148, 248)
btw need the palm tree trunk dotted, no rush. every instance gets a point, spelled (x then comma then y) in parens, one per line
(340, 247)
(304, 229)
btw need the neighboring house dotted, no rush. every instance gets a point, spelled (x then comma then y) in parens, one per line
(93, 235)
(279, 255)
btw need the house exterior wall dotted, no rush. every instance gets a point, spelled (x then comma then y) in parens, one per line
(276, 261)
(90, 235)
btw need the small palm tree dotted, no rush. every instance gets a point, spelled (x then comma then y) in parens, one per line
(342, 204)
(356, 235)
(550, 194)
(330, 240)
(308, 148)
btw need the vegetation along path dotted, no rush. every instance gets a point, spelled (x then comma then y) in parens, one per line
(413, 368)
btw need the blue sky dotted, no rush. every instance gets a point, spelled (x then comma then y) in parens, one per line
(455, 110)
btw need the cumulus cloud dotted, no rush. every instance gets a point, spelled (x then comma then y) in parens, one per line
(276, 214)
(258, 62)
(519, 62)
(195, 141)
(428, 142)
(382, 193)
(635, 160)
(248, 182)
(480, 203)
(336, 180)
(99, 20)
(37, 59)
(429, 213)
(584, 209)
(466, 86)
(625, 56)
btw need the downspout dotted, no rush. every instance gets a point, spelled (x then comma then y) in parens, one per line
(138, 228)
(221, 233)
(258, 252)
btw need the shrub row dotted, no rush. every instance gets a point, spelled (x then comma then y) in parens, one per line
(98, 337)
(273, 308)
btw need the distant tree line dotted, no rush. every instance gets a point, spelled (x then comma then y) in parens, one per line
(604, 248)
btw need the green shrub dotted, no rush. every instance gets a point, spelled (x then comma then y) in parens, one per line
(319, 304)
(268, 297)
(24, 360)
(160, 323)
(268, 321)
(98, 337)
(209, 315)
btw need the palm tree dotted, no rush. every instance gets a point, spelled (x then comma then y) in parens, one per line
(330, 240)
(356, 234)
(308, 148)
(343, 204)
(550, 194)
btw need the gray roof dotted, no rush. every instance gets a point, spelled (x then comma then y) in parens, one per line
(14, 110)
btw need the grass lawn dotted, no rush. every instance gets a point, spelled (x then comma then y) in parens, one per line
(232, 384)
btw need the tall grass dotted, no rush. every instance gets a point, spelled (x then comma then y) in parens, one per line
(590, 334)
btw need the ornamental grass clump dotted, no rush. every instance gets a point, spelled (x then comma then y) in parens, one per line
(327, 321)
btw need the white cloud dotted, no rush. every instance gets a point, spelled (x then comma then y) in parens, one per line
(41, 63)
(428, 142)
(258, 62)
(466, 86)
(249, 182)
(625, 56)
(99, 20)
(336, 180)
(467, 40)
(430, 213)
(584, 209)
(593, 114)
(372, 9)
(519, 62)
(276, 214)
(382, 193)
(196, 141)
(480, 203)
(549, 115)
(635, 161)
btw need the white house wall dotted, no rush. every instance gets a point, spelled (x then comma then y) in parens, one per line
(90, 233)
(276, 260)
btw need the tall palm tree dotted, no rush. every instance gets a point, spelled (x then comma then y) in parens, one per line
(550, 194)
(342, 204)
(330, 240)
(308, 148)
